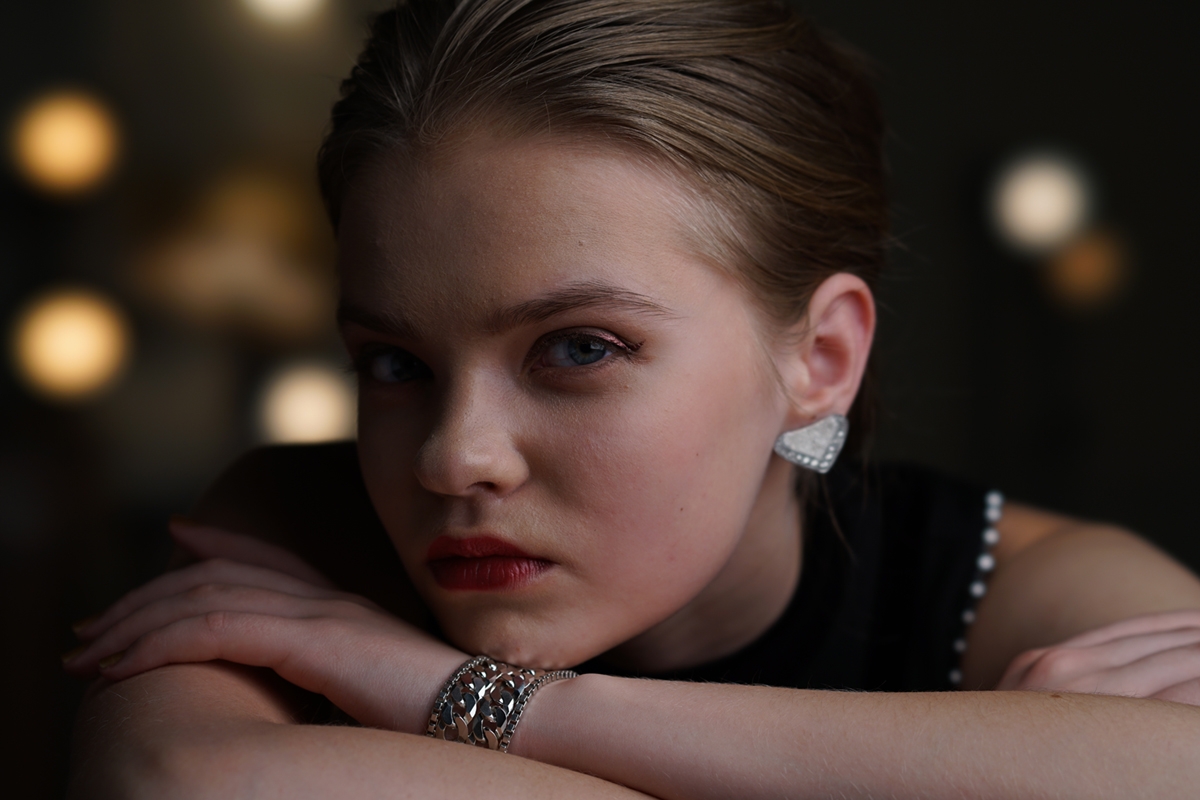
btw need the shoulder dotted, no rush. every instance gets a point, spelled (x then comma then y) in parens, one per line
(1119, 572)
(1050, 576)
(1057, 576)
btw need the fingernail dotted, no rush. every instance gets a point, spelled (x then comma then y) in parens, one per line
(83, 623)
(74, 651)
(108, 661)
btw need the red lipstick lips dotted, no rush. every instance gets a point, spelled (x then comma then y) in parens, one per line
(481, 563)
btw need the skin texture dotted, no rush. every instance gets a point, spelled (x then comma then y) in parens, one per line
(647, 480)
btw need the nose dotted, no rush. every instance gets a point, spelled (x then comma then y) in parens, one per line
(472, 446)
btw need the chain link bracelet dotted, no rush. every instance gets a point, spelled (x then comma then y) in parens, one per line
(483, 701)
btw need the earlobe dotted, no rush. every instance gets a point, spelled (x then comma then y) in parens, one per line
(832, 347)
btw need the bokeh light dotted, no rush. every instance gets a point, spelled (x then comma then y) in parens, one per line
(1089, 272)
(1040, 202)
(70, 344)
(307, 402)
(65, 142)
(251, 256)
(284, 11)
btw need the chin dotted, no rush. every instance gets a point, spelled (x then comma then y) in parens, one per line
(524, 643)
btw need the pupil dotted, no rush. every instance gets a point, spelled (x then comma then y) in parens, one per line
(586, 352)
(393, 368)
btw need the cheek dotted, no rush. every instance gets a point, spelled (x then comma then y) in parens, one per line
(660, 485)
(641, 495)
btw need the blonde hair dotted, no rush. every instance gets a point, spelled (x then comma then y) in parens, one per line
(774, 123)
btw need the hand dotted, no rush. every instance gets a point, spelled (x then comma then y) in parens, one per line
(1156, 655)
(256, 604)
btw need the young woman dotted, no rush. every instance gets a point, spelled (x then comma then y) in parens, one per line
(606, 273)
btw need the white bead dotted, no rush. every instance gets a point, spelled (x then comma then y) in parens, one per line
(991, 537)
(960, 645)
(992, 514)
(978, 589)
(995, 498)
(955, 676)
(986, 562)
(968, 616)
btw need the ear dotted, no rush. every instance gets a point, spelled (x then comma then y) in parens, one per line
(823, 365)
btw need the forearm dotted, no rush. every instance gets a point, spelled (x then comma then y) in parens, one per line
(199, 731)
(677, 740)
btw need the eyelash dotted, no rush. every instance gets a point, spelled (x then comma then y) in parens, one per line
(362, 363)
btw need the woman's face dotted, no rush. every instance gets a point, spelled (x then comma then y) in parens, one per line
(565, 417)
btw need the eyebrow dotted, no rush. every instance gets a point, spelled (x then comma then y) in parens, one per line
(593, 295)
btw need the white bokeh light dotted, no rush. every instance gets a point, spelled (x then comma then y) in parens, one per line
(285, 11)
(70, 344)
(307, 402)
(1040, 202)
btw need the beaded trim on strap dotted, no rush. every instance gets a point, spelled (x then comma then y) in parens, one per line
(993, 509)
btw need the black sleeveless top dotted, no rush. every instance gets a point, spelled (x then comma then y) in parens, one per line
(895, 557)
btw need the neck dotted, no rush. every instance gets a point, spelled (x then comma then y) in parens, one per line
(746, 597)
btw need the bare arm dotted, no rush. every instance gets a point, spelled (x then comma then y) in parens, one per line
(224, 730)
(215, 728)
(218, 730)
(677, 740)
(1056, 578)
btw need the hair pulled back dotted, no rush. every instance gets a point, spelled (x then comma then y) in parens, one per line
(775, 125)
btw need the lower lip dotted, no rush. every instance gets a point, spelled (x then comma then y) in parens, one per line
(490, 573)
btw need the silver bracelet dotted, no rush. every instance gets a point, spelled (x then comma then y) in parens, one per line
(481, 703)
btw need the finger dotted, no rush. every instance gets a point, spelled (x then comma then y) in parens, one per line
(1146, 623)
(1145, 677)
(1019, 668)
(181, 580)
(1103, 648)
(299, 650)
(1129, 649)
(257, 640)
(1185, 692)
(1059, 666)
(206, 541)
(193, 603)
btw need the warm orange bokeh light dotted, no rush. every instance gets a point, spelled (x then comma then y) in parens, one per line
(65, 143)
(284, 11)
(252, 256)
(69, 344)
(1089, 272)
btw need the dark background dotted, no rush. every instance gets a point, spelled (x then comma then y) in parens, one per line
(986, 373)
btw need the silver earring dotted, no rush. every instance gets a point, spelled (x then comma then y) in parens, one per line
(815, 446)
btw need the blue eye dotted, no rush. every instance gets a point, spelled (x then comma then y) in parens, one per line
(578, 351)
(392, 366)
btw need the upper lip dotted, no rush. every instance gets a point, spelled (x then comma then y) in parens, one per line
(480, 546)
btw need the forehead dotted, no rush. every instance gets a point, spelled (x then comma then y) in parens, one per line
(495, 221)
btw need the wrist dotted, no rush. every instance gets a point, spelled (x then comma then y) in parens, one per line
(483, 703)
(551, 722)
(435, 672)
